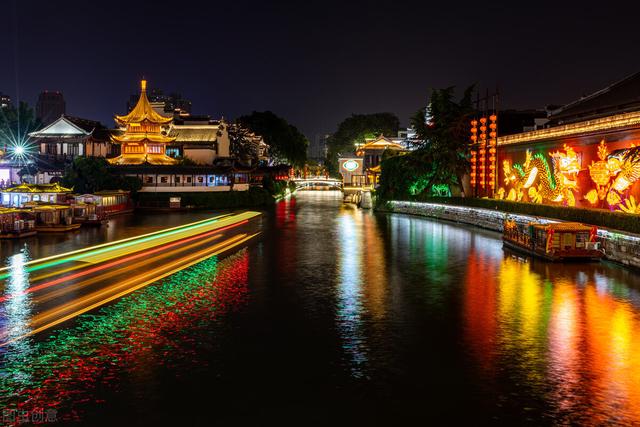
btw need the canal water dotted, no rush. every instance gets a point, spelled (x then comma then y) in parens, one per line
(337, 315)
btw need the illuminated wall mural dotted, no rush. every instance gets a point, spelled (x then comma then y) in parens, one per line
(581, 173)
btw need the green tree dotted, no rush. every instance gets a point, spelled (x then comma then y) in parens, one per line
(286, 143)
(441, 158)
(445, 137)
(16, 124)
(91, 174)
(354, 129)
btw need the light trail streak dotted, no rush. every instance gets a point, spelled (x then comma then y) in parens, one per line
(86, 299)
(107, 275)
(94, 250)
(173, 268)
(112, 264)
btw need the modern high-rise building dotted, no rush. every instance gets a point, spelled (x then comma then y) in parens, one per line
(5, 100)
(50, 107)
(164, 104)
(317, 150)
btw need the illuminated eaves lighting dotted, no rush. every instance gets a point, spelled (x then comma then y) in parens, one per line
(588, 126)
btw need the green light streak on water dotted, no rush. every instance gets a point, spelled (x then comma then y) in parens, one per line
(110, 328)
(114, 247)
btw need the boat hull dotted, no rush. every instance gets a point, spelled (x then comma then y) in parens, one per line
(57, 228)
(572, 255)
(18, 235)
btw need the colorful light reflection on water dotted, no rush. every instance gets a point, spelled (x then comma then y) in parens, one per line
(572, 344)
(352, 316)
(157, 326)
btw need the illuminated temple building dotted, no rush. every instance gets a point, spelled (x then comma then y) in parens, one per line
(588, 158)
(363, 168)
(144, 139)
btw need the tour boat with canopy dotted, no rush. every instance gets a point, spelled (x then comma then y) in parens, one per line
(553, 241)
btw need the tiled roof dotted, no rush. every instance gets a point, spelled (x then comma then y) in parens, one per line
(621, 96)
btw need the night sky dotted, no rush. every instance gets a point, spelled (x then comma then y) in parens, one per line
(314, 63)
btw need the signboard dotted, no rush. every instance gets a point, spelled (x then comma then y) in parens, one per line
(174, 202)
(351, 166)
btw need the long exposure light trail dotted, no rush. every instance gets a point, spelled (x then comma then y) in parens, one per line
(85, 253)
(113, 273)
(111, 264)
(193, 260)
(103, 273)
(155, 274)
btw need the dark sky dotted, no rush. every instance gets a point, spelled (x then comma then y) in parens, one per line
(314, 63)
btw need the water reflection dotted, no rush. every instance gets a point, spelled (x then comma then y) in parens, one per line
(568, 334)
(158, 327)
(349, 297)
(15, 312)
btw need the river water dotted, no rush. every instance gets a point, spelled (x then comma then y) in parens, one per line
(337, 315)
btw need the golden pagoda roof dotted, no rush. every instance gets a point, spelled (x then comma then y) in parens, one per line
(133, 138)
(138, 159)
(143, 111)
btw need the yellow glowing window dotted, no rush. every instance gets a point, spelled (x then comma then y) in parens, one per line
(154, 149)
(133, 149)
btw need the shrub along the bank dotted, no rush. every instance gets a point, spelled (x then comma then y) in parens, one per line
(254, 197)
(614, 220)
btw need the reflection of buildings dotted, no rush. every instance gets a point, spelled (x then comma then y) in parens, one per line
(570, 335)
(584, 159)
(50, 106)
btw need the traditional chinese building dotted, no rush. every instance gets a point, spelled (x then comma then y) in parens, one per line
(144, 139)
(588, 158)
(199, 138)
(69, 137)
(21, 194)
(372, 153)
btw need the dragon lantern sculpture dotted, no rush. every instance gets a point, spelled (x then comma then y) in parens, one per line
(540, 181)
(613, 175)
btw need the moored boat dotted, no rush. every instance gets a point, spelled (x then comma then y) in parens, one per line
(88, 214)
(16, 223)
(553, 241)
(52, 218)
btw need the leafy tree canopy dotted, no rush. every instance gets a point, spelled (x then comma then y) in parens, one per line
(286, 142)
(354, 129)
(16, 123)
(91, 174)
(441, 158)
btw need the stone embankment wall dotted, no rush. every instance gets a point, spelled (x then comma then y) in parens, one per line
(620, 247)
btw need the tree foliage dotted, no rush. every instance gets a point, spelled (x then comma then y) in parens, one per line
(286, 143)
(16, 123)
(91, 174)
(354, 129)
(442, 155)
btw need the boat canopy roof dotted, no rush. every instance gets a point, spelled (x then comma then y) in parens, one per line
(563, 226)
